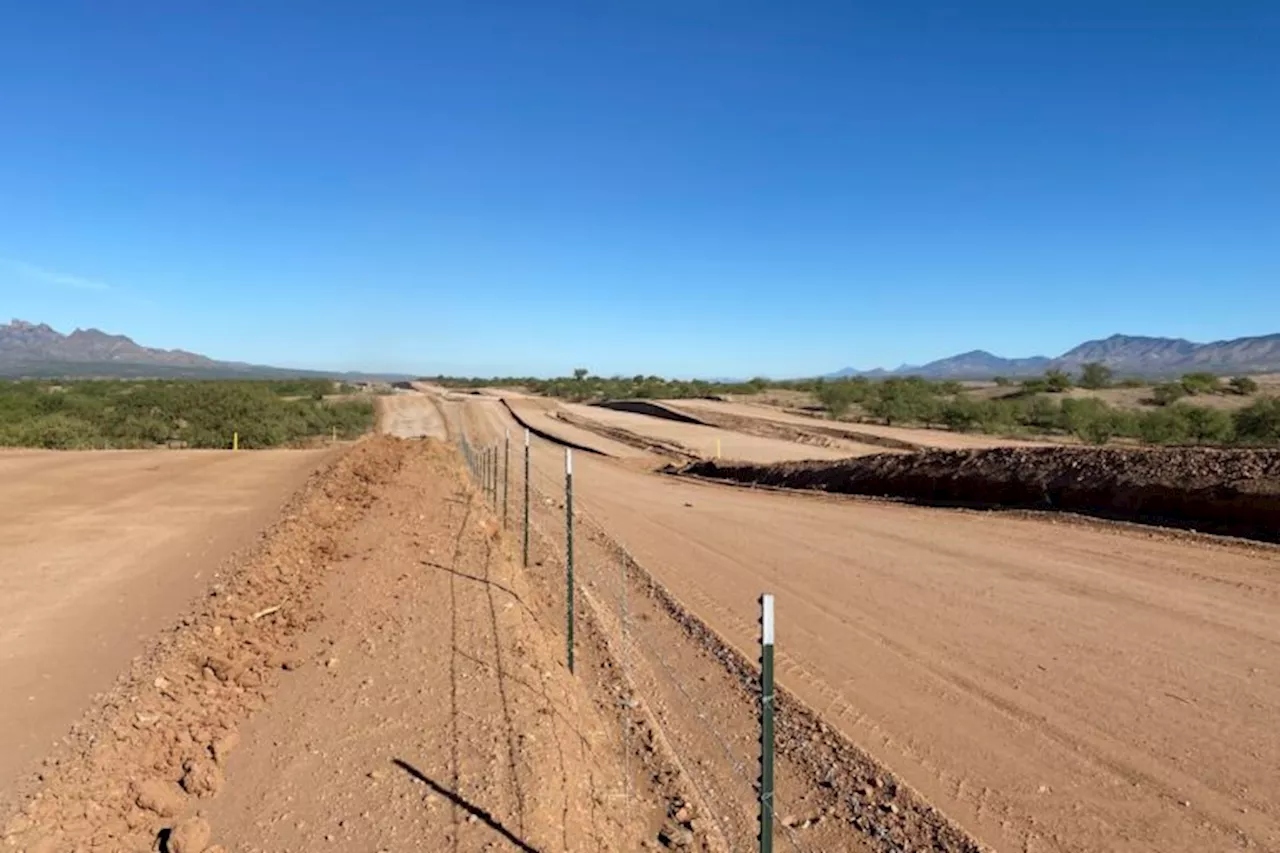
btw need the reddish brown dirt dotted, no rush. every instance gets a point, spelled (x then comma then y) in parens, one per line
(1052, 687)
(409, 414)
(432, 713)
(702, 695)
(708, 441)
(97, 552)
(404, 691)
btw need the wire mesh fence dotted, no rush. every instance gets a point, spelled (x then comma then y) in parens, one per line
(716, 738)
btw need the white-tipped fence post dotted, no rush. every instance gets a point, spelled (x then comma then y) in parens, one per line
(766, 724)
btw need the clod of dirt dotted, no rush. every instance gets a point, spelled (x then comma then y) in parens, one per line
(676, 836)
(191, 836)
(201, 778)
(159, 796)
(224, 746)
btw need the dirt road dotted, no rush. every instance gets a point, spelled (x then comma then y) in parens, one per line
(1052, 686)
(410, 414)
(710, 442)
(97, 552)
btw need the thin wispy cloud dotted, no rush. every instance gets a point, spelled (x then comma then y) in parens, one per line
(48, 276)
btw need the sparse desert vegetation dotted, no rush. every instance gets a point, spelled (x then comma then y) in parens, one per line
(68, 415)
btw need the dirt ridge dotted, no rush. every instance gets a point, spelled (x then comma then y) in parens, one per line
(549, 436)
(670, 449)
(652, 409)
(1227, 492)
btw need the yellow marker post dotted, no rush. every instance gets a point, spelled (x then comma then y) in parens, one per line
(717, 447)
(235, 441)
(335, 435)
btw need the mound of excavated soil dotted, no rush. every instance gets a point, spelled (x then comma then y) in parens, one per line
(1232, 492)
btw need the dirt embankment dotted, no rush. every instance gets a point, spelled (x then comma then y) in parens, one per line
(156, 741)
(669, 449)
(549, 436)
(372, 674)
(1229, 492)
(817, 435)
(653, 410)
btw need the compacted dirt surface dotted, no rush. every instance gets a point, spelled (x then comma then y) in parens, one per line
(97, 552)
(1049, 684)
(708, 441)
(409, 414)
(373, 675)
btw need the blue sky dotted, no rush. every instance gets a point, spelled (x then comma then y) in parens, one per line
(686, 187)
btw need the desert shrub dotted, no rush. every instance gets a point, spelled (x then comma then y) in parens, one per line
(1095, 375)
(1163, 426)
(836, 397)
(1168, 393)
(1207, 426)
(1091, 420)
(54, 432)
(1035, 386)
(1131, 382)
(1056, 381)
(1243, 385)
(1002, 381)
(1259, 422)
(146, 413)
(1200, 383)
(904, 401)
(964, 414)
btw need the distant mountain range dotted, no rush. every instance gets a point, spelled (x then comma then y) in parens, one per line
(30, 350)
(1127, 355)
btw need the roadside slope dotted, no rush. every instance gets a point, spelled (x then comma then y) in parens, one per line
(431, 712)
(372, 672)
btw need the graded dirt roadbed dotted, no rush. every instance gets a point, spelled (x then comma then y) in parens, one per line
(1051, 686)
(97, 551)
(705, 441)
(410, 414)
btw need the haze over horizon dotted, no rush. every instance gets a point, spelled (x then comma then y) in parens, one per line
(724, 190)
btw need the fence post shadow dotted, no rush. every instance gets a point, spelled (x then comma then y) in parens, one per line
(467, 806)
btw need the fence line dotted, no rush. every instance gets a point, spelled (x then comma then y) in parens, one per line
(621, 640)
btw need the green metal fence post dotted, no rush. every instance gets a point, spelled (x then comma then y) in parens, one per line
(766, 724)
(526, 499)
(568, 519)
